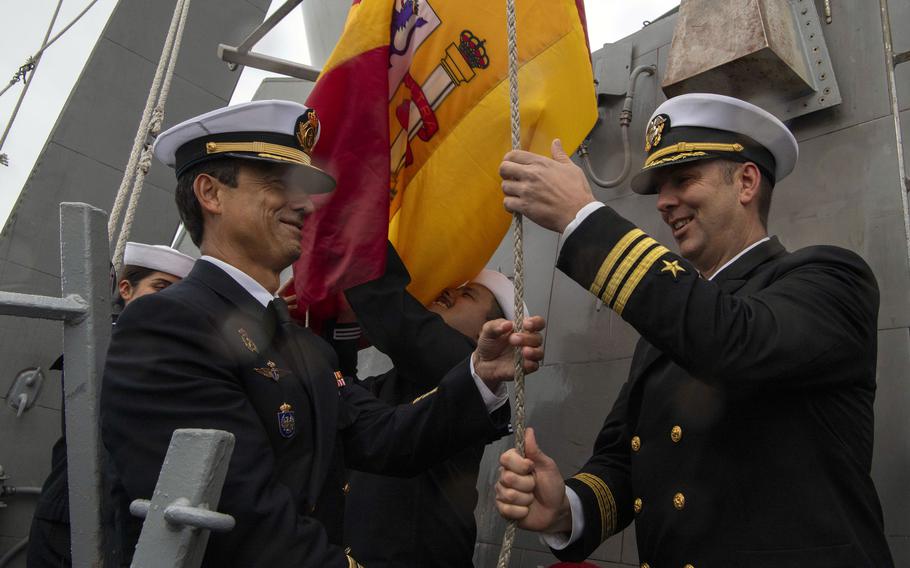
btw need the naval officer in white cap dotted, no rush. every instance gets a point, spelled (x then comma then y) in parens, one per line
(743, 436)
(218, 350)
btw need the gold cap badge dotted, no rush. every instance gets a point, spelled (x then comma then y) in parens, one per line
(655, 130)
(307, 130)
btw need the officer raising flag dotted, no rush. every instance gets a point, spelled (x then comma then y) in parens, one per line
(720, 446)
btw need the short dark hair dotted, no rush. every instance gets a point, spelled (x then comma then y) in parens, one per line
(132, 274)
(223, 169)
(764, 189)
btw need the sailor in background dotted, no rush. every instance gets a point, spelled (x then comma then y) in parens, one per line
(743, 436)
(219, 350)
(426, 520)
(146, 269)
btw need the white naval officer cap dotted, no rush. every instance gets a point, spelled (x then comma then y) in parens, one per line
(158, 257)
(283, 132)
(701, 126)
(502, 289)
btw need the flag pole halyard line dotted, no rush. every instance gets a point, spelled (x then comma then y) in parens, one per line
(515, 119)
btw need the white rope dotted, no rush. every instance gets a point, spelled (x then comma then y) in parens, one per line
(515, 120)
(150, 125)
(31, 65)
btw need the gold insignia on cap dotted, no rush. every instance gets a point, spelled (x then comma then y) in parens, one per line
(285, 407)
(247, 342)
(307, 130)
(655, 130)
(673, 267)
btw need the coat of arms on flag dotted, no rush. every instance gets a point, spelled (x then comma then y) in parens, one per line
(415, 121)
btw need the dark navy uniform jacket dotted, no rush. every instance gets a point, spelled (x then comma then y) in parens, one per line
(427, 520)
(201, 354)
(743, 437)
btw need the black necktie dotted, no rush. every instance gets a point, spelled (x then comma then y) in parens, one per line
(279, 309)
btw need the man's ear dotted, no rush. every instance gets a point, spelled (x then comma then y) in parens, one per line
(208, 193)
(749, 183)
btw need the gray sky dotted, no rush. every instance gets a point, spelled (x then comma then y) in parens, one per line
(20, 36)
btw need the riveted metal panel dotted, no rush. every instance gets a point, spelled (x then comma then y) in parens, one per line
(844, 192)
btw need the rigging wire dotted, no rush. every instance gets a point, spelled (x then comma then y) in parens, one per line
(31, 74)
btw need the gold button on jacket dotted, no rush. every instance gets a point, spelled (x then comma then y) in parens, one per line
(679, 501)
(636, 443)
(676, 433)
(637, 505)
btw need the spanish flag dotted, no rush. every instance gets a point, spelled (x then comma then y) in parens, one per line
(414, 104)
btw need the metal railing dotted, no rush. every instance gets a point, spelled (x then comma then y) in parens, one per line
(85, 310)
(194, 468)
(190, 482)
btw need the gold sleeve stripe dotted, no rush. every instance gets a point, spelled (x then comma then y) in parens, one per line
(424, 395)
(611, 259)
(636, 277)
(605, 503)
(353, 563)
(627, 263)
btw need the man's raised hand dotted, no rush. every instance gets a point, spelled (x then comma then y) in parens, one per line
(494, 358)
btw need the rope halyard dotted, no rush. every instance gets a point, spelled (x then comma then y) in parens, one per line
(150, 125)
(515, 119)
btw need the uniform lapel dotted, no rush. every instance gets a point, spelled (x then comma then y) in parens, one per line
(737, 274)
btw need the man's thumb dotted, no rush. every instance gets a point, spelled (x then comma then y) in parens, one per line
(557, 151)
(532, 451)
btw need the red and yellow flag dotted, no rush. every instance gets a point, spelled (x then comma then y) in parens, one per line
(414, 106)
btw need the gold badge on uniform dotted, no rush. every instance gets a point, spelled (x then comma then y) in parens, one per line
(307, 130)
(287, 424)
(672, 267)
(271, 371)
(655, 130)
(247, 342)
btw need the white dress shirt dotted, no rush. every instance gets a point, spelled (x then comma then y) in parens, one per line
(559, 541)
(492, 400)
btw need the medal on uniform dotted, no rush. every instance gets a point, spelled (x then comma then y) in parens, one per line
(339, 379)
(247, 342)
(271, 371)
(287, 424)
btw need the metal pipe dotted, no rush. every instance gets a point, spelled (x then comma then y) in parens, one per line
(70, 308)
(904, 183)
(17, 548)
(233, 56)
(268, 24)
(625, 119)
(20, 490)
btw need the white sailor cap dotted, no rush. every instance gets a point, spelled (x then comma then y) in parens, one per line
(158, 257)
(502, 288)
(283, 132)
(700, 126)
